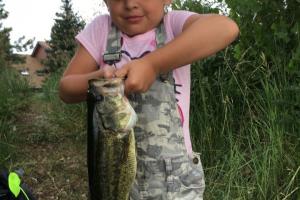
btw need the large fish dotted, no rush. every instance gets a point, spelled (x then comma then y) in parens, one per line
(111, 143)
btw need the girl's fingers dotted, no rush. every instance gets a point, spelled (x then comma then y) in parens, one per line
(108, 71)
(108, 74)
(122, 72)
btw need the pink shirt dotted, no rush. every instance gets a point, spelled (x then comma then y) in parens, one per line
(94, 38)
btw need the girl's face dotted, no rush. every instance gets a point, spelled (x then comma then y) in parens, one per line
(134, 17)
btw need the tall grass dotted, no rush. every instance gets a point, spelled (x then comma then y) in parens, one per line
(245, 122)
(70, 118)
(14, 92)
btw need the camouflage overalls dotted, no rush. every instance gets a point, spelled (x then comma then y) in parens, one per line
(165, 170)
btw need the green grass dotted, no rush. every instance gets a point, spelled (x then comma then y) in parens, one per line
(44, 137)
(246, 125)
(69, 117)
(14, 91)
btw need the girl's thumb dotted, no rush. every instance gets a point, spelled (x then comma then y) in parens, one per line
(122, 72)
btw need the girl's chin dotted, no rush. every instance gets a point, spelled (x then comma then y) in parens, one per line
(133, 32)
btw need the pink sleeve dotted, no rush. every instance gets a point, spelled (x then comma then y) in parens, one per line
(93, 37)
(175, 20)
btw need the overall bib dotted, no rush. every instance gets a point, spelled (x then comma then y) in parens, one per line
(164, 168)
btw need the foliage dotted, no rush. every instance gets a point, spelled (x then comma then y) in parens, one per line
(5, 48)
(245, 104)
(67, 116)
(13, 89)
(245, 124)
(62, 42)
(271, 27)
(198, 6)
(14, 92)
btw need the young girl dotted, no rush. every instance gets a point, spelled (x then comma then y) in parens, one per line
(152, 49)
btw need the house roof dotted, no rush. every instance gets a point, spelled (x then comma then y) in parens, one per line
(38, 45)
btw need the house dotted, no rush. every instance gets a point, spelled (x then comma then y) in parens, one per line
(33, 68)
(39, 51)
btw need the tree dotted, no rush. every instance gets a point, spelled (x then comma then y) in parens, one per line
(5, 47)
(7, 55)
(62, 43)
(268, 26)
(198, 6)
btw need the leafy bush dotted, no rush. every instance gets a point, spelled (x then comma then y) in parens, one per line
(271, 27)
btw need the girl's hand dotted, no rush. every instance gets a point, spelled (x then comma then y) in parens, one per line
(139, 75)
(107, 71)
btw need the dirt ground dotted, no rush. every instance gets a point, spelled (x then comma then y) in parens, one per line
(54, 162)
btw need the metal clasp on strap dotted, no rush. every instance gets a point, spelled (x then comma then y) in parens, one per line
(112, 58)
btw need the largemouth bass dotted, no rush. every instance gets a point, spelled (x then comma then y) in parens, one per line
(111, 143)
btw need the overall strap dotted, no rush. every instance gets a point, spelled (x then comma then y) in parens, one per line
(160, 35)
(113, 52)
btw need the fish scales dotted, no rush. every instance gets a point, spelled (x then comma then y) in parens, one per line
(115, 155)
(116, 166)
